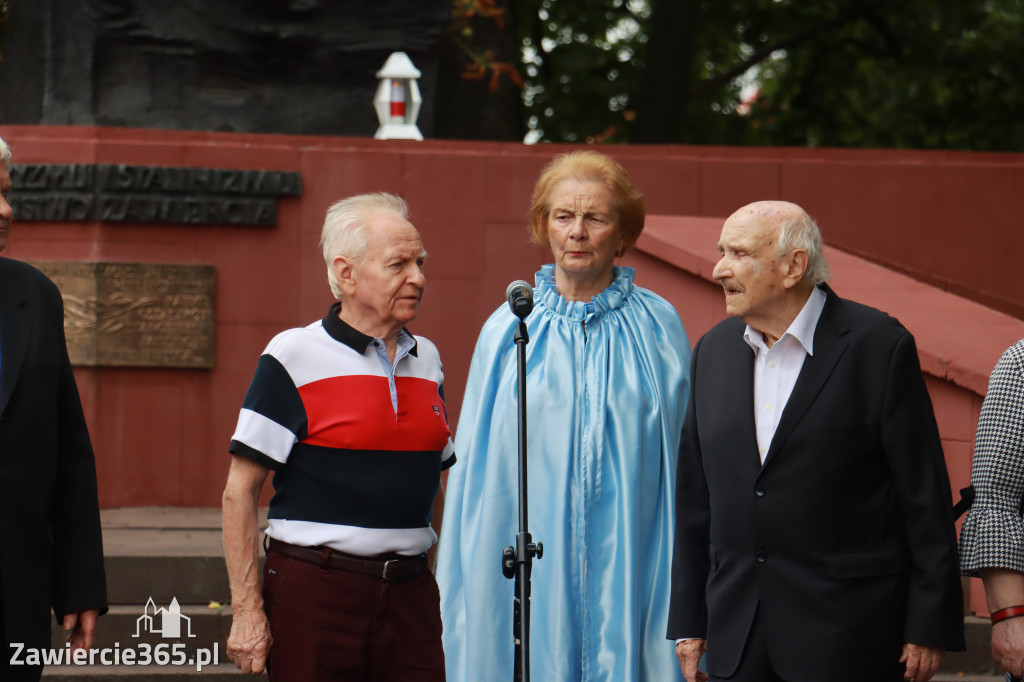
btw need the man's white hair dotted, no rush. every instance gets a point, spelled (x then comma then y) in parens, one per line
(344, 231)
(803, 233)
(5, 153)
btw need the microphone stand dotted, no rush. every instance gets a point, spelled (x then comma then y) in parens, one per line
(517, 562)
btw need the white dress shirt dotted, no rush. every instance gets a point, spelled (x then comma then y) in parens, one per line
(776, 368)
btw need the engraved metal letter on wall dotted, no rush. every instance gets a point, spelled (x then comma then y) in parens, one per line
(121, 193)
(137, 314)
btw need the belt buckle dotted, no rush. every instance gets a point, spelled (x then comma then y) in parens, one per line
(387, 566)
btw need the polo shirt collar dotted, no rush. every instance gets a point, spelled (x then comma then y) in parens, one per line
(341, 331)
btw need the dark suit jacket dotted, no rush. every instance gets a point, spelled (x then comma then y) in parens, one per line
(51, 553)
(844, 539)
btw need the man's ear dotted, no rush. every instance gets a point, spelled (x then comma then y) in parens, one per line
(344, 272)
(794, 268)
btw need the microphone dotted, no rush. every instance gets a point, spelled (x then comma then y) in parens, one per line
(520, 298)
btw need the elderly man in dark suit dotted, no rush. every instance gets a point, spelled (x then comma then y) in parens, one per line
(814, 536)
(51, 551)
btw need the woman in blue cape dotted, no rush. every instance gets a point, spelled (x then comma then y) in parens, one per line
(607, 383)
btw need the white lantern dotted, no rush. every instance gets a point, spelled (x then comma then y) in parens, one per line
(398, 100)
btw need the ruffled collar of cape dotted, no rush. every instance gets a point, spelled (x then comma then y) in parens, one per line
(611, 298)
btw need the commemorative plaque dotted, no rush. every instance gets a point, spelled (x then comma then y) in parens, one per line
(136, 314)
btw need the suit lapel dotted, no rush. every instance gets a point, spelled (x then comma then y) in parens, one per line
(15, 330)
(829, 345)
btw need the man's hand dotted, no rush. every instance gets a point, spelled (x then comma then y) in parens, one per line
(249, 641)
(81, 628)
(1008, 645)
(689, 652)
(922, 661)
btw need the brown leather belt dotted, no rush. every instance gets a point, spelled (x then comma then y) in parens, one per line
(326, 558)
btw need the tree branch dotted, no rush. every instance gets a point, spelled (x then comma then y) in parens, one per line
(851, 13)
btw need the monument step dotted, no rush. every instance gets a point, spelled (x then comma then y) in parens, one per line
(977, 659)
(165, 553)
(189, 579)
(162, 554)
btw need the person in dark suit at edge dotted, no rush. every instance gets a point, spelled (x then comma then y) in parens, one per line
(51, 548)
(814, 529)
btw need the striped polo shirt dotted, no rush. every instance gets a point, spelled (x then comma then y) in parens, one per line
(357, 447)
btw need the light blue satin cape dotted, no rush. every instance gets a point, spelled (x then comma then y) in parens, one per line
(607, 384)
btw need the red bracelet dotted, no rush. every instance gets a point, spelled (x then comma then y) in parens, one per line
(1008, 612)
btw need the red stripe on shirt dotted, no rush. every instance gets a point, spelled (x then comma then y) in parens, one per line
(354, 412)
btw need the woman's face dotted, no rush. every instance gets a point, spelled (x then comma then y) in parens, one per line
(584, 232)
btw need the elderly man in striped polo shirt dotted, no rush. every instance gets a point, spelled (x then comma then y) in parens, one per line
(349, 414)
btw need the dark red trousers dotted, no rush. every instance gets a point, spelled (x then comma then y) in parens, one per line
(335, 625)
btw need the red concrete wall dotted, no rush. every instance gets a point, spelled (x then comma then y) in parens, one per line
(161, 435)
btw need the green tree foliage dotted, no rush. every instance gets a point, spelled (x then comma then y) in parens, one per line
(580, 58)
(933, 74)
(907, 75)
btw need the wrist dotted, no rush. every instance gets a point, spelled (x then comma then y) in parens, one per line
(1000, 615)
(245, 607)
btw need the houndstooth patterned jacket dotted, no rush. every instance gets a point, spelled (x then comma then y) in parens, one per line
(993, 533)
